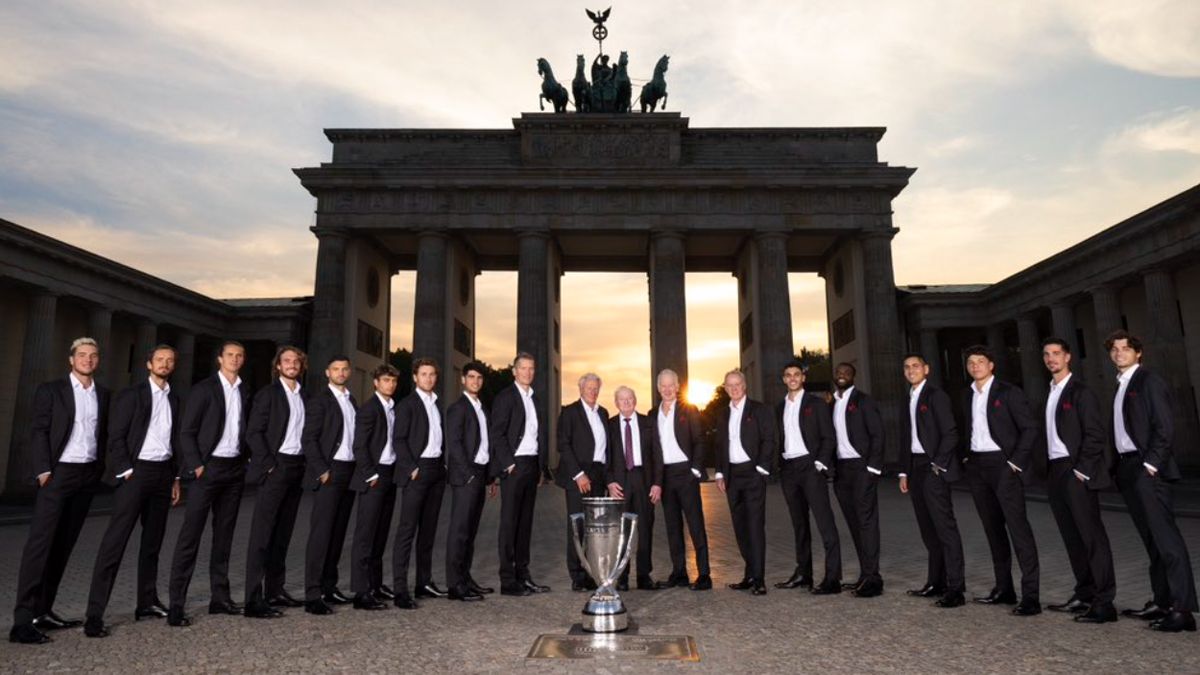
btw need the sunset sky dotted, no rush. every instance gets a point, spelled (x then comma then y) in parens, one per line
(163, 135)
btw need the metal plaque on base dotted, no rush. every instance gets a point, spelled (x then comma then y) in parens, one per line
(603, 537)
(610, 646)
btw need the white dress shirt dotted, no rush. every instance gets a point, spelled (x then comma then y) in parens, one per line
(295, 425)
(345, 451)
(1054, 444)
(599, 436)
(481, 455)
(81, 445)
(737, 453)
(845, 450)
(631, 423)
(156, 447)
(433, 446)
(793, 440)
(1125, 443)
(388, 456)
(528, 446)
(981, 435)
(913, 396)
(230, 443)
(672, 453)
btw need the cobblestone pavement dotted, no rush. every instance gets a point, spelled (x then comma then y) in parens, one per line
(782, 631)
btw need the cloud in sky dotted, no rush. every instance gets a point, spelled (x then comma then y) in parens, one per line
(163, 134)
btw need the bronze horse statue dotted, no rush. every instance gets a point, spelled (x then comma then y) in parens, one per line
(624, 88)
(580, 87)
(551, 90)
(656, 88)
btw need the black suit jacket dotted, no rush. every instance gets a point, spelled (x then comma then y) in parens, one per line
(1080, 426)
(269, 417)
(816, 428)
(463, 438)
(53, 419)
(936, 429)
(322, 435)
(757, 436)
(506, 428)
(1150, 422)
(129, 421)
(864, 427)
(576, 444)
(1010, 422)
(370, 438)
(652, 466)
(410, 436)
(203, 424)
(689, 434)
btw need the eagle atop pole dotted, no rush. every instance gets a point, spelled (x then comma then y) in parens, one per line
(599, 31)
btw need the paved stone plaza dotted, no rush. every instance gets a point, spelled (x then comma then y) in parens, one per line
(785, 631)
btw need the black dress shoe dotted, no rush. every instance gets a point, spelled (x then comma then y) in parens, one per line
(868, 589)
(405, 601)
(743, 585)
(317, 607)
(517, 590)
(535, 587)
(797, 580)
(336, 597)
(851, 586)
(702, 583)
(1074, 606)
(284, 599)
(464, 594)
(1027, 608)
(26, 634)
(261, 610)
(928, 591)
(951, 599)
(429, 590)
(52, 621)
(95, 628)
(176, 617)
(648, 584)
(155, 611)
(998, 598)
(677, 581)
(224, 608)
(1098, 614)
(758, 588)
(1151, 612)
(1175, 622)
(368, 601)
(827, 588)
(385, 593)
(485, 590)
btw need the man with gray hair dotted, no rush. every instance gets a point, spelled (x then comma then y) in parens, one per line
(635, 475)
(582, 455)
(679, 449)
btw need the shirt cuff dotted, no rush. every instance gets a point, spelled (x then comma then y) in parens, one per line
(125, 474)
(373, 477)
(696, 472)
(1015, 467)
(820, 466)
(935, 466)
(1148, 465)
(1081, 476)
(762, 471)
(577, 476)
(720, 476)
(902, 475)
(875, 471)
(43, 475)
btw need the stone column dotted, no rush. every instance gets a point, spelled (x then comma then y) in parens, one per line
(1166, 352)
(329, 312)
(100, 330)
(185, 363)
(668, 308)
(37, 366)
(431, 304)
(533, 314)
(933, 355)
(147, 338)
(1062, 316)
(1033, 371)
(1106, 305)
(995, 342)
(883, 333)
(774, 313)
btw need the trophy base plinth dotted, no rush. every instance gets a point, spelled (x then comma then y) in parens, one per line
(605, 623)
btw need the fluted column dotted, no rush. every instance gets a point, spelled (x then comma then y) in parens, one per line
(100, 330)
(37, 359)
(1062, 318)
(431, 304)
(1166, 352)
(1106, 304)
(933, 355)
(533, 313)
(995, 342)
(774, 312)
(147, 338)
(883, 333)
(329, 312)
(668, 307)
(185, 362)
(1033, 371)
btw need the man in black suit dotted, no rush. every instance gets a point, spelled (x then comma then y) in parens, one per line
(66, 448)
(519, 459)
(421, 478)
(745, 443)
(858, 430)
(1143, 433)
(999, 434)
(1074, 462)
(582, 459)
(635, 475)
(467, 459)
(328, 442)
(144, 467)
(679, 447)
(375, 465)
(277, 467)
(213, 453)
(929, 463)
(807, 443)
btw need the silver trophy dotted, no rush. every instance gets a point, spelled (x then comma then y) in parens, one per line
(603, 536)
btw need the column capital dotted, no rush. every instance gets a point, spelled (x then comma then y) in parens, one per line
(1027, 317)
(668, 233)
(770, 235)
(329, 232)
(430, 233)
(1156, 270)
(533, 232)
(1061, 304)
(887, 233)
(1104, 287)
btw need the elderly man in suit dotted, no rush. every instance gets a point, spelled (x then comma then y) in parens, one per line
(582, 459)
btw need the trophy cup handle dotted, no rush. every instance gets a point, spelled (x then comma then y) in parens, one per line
(628, 530)
(577, 533)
